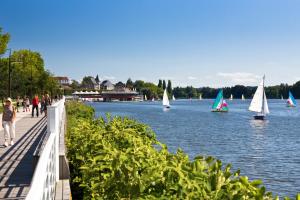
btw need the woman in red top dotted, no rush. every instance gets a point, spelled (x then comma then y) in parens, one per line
(35, 105)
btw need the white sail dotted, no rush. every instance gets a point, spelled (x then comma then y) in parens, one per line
(166, 99)
(200, 97)
(173, 98)
(145, 98)
(266, 107)
(231, 97)
(259, 102)
(243, 98)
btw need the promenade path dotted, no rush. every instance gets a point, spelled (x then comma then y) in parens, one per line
(16, 162)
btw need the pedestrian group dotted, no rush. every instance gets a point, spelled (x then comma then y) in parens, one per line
(39, 106)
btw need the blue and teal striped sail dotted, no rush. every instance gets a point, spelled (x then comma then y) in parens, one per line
(220, 104)
(291, 102)
(218, 100)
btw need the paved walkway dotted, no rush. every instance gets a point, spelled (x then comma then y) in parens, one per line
(16, 162)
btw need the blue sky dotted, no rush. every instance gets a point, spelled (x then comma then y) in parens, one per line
(192, 42)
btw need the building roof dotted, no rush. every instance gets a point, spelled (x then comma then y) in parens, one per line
(61, 78)
(120, 84)
(97, 79)
(94, 81)
(107, 83)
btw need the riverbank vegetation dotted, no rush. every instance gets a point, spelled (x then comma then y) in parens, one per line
(120, 158)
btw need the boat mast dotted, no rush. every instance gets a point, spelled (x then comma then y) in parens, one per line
(263, 97)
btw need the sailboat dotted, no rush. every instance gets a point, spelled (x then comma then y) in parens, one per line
(153, 99)
(291, 102)
(166, 102)
(173, 98)
(145, 98)
(259, 103)
(200, 97)
(281, 97)
(220, 104)
(231, 97)
(243, 98)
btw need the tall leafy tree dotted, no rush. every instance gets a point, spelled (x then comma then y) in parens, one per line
(164, 85)
(4, 39)
(87, 82)
(75, 85)
(129, 83)
(159, 83)
(169, 87)
(27, 72)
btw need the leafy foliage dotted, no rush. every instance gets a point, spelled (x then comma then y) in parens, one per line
(120, 158)
(149, 89)
(4, 39)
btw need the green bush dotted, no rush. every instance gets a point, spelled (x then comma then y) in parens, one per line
(120, 158)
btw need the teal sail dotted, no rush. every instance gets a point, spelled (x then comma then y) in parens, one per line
(291, 102)
(220, 104)
(218, 100)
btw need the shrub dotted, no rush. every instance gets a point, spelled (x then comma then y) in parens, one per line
(120, 158)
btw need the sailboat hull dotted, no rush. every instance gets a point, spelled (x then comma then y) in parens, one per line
(219, 111)
(259, 117)
(291, 106)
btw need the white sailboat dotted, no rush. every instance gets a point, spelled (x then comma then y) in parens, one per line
(166, 102)
(259, 103)
(173, 98)
(231, 97)
(243, 98)
(145, 98)
(200, 97)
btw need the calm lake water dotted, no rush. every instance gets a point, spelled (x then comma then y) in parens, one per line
(267, 150)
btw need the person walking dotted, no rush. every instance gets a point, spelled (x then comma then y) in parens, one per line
(18, 103)
(47, 103)
(27, 102)
(24, 103)
(35, 105)
(42, 104)
(8, 122)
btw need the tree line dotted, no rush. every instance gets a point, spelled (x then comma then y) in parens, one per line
(27, 72)
(152, 90)
(149, 89)
(273, 92)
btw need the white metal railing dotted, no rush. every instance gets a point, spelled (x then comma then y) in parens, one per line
(46, 173)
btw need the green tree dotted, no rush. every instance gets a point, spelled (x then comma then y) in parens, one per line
(75, 85)
(169, 87)
(28, 75)
(129, 83)
(27, 72)
(4, 39)
(3, 77)
(87, 82)
(164, 84)
(159, 83)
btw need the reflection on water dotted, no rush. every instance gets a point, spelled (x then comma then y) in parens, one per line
(259, 125)
(267, 150)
